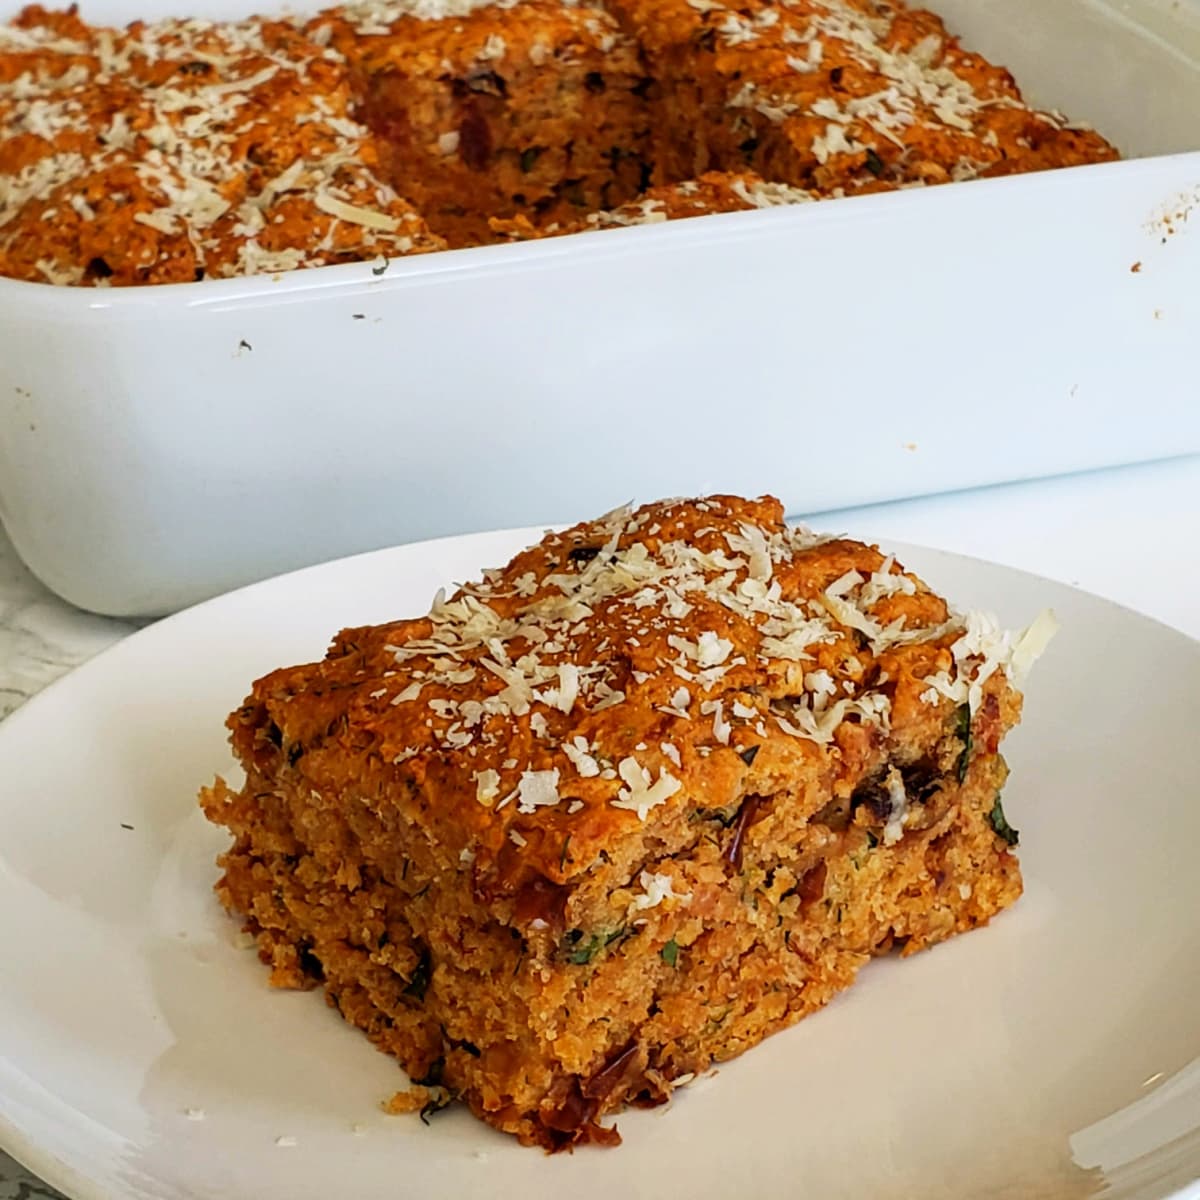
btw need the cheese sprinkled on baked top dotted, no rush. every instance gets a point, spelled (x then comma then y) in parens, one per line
(571, 693)
(177, 150)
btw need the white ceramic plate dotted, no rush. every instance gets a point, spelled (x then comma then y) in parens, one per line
(1055, 1053)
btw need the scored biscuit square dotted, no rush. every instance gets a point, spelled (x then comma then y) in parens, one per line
(656, 789)
(535, 110)
(841, 96)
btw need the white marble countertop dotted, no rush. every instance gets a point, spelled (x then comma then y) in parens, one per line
(1131, 534)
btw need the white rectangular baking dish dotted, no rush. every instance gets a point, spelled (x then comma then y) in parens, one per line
(159, 445)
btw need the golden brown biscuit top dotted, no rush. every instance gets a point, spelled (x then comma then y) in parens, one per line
(449, 37)
(624, 670)
(879, 94)
(182, 148)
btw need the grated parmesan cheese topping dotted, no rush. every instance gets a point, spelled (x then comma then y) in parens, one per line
(640, 794)
(762, 194)
(893, 830)
(169, 120)
(379, 16)
(655, 889)
(537, 789)
(710, 629)
(982, 650)
(920, 91)
(641, 212)
(712, 192)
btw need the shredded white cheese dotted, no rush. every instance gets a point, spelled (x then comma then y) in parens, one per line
(579, 753)
(656, 889)
(639, 794)
(487, 786)
(893, 831)
(537, 789)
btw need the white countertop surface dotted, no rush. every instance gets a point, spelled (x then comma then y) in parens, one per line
(1130, 534)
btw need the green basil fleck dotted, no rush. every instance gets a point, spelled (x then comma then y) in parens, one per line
(583, 954)
(670, 953)
(1000, 823)
(578, 953)
(962, 730)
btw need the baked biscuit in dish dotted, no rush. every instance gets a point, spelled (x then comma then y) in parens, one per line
(178, 150)
(621, 809)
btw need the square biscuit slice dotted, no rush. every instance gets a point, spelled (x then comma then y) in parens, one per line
(653, 791)
(536, 110)
(839, 96)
